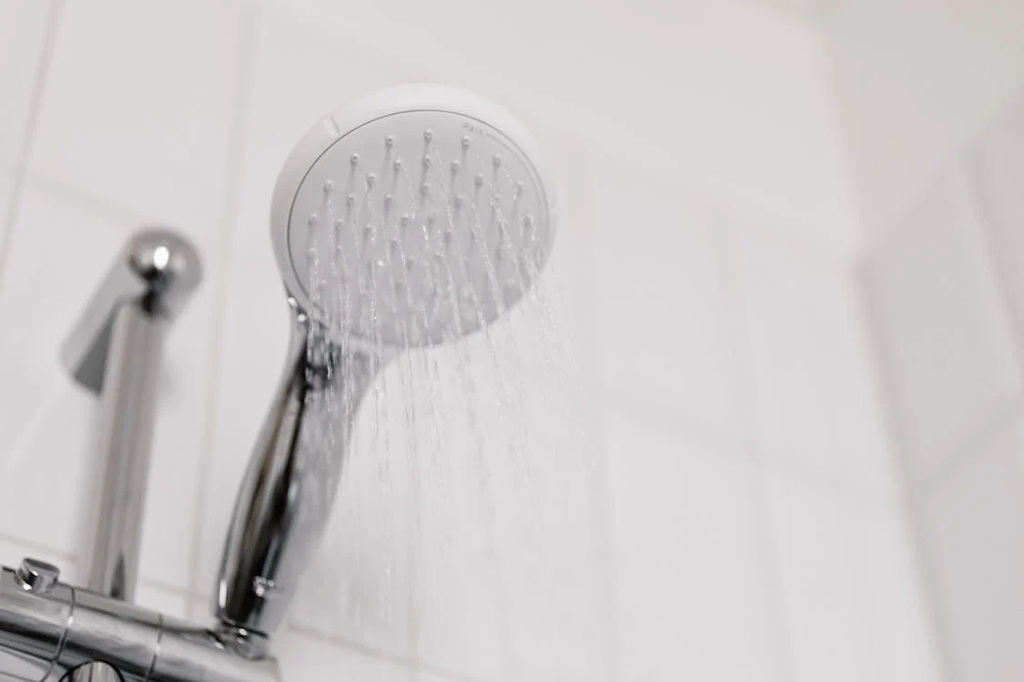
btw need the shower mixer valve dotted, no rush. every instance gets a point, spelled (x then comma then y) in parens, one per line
(414, 216)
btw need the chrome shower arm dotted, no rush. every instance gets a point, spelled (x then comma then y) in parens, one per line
(289, 487)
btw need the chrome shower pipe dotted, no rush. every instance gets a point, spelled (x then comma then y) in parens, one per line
(114, 351)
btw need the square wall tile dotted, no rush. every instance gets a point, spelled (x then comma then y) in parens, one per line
(995, 166)
(138, 106)
(813, 400)
(48, 423)
(853, 598)
(658, 283)
(691, 602)
(23, 25)
(943, 340)
(973, 537)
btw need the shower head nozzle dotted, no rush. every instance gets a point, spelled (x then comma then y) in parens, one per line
(413, 216)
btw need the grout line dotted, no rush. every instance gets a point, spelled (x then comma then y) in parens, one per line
(880, 378)
(249, 21)
(34, 546)
(969, 449)
(968, 177)
(358, 647)
(767, 549)
(581, 187)
(97, 205)
(721, 440)
(31, 125)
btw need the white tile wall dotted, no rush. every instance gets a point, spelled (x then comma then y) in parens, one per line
(943, 338)
(136, 117)
(995, 168)
(852, 598)
(22, 38)
(946, 297)
(915, 82)
(659, 561)
(7, 185)
(974, 548)
(813, 400)
(660, 285)
(691, 601)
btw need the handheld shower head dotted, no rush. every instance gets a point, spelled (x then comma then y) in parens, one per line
(428, 205)
(412, 217)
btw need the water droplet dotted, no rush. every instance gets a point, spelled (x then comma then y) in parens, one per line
(371, 180)
(478, 180)
(328, 186)
(465, 141)
(455, 167)
(424, 189)
(354, 159)
(428, 135)
(350, 200)
(397, 165)
(427, 162)
(497, 161)
(313, 220)
(389, 141)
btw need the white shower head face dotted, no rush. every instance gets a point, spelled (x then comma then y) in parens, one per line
(413, 217)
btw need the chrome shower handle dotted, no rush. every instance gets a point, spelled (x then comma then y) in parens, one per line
(288, 489)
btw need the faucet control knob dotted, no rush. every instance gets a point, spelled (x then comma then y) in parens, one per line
(37, 576)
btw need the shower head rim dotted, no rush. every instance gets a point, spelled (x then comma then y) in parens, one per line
(349, 118)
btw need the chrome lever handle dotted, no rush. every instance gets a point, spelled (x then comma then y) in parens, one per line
(156, 273)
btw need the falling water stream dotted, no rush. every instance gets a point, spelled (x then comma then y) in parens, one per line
(464, 534)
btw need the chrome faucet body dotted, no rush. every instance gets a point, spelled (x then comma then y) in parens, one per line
(51, 630)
